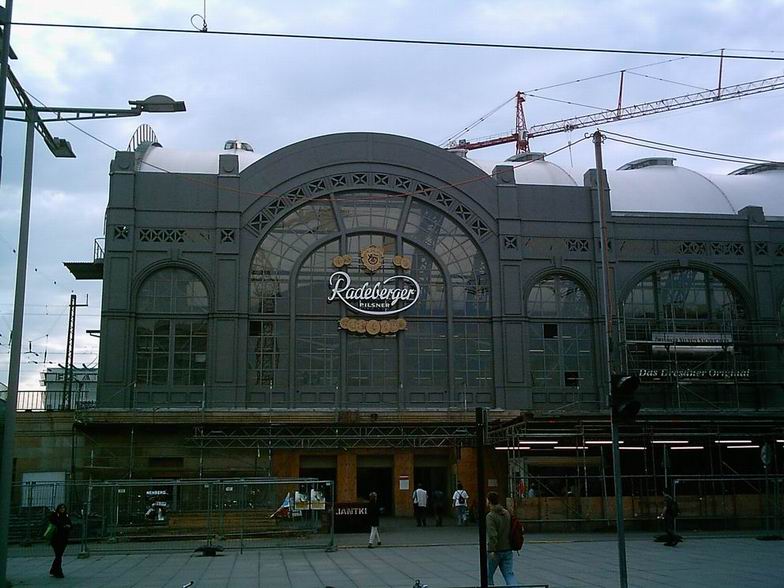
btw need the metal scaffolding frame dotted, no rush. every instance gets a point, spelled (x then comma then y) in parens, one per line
(332, 436)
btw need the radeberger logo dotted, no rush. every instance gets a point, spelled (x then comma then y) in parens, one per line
(388, 297)
(393, 295)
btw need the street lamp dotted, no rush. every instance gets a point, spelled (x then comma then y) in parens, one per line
(36, 118)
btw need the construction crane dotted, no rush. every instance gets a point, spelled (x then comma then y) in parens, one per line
(521, 135)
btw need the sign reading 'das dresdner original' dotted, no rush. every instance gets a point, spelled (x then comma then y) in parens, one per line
(391, 296)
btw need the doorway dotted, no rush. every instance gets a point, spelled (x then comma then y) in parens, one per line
(375, 474)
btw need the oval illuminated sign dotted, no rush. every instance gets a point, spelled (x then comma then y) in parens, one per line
(378, 299)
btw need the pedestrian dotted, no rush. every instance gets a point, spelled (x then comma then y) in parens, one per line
(59, 539)
(669, 513)
(373, 512)
(499, 549)
(438, 506)
(420, 506)
(460, 502)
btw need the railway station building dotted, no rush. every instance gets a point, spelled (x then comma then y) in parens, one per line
(339, 308)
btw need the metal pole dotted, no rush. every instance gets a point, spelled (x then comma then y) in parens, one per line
(481, 415)
(608, 322)
(9, 433)
(4, 56)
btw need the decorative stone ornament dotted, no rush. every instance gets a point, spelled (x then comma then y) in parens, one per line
(340, 261)
(372, 258)
(373, 327)
(402, 261)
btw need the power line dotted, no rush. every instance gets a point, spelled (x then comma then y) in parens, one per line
(398, 41)
(689, 150)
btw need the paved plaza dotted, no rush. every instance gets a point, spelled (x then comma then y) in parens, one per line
(444, 557)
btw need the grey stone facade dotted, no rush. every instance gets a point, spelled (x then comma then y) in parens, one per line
(212, 225)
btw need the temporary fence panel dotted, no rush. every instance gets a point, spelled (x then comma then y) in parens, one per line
(136, 515)
(586, 503)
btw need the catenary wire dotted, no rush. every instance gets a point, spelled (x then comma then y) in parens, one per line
(398, 41)
(736, 158)
(678, 151)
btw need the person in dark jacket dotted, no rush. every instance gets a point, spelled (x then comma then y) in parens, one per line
(438, 506)
(669, 513)
(499, 549)
(62, 522)
(373, 512)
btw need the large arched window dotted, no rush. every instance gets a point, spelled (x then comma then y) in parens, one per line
(171, 329)
(683, 327)
(560, 342)
(337, 362)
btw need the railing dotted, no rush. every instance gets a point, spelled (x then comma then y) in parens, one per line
(98, 249)
(43, 400)
(149, 515)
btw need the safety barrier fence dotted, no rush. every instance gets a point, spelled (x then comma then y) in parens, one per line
(586, 503)
(176, 515)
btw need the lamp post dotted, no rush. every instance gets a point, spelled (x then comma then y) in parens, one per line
(32, 117)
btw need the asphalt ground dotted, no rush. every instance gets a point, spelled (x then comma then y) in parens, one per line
(445, 557)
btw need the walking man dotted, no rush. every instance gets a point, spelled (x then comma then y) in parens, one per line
(420, 506)
(669, 513)
(460, 502)
(499, 549)
(373, 513)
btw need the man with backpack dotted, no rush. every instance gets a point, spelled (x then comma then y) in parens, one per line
(499, 547)
(460, 502)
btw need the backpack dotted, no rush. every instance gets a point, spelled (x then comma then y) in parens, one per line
(516, 533)
(461, 498)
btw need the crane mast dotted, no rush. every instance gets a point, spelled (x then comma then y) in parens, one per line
(522, 134)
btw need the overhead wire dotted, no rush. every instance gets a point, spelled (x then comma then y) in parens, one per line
(567, 83)
(396, 40)
(693, 151)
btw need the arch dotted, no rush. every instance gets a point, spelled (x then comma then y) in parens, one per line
(157, 266)
(570, 273)
(713, 270)
(171, 329)
(452, 262)
(560, 340)
(471, 277)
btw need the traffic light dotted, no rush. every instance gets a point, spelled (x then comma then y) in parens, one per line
(624, 406)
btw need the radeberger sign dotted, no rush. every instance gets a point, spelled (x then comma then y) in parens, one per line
(393, 295)
(383, 298)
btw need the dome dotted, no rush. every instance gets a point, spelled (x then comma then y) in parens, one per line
(158, 159)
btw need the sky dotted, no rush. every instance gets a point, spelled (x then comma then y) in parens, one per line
(274, 92)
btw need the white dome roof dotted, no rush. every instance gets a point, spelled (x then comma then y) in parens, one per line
(651, 185)
(539, 172)
(158, 159)
(665, 188)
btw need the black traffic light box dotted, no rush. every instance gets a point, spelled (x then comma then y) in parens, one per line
(624, 405)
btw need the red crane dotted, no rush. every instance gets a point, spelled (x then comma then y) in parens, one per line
(521, 135)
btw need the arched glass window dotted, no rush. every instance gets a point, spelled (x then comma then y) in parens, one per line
(676, 300)
(682, 327)
(560, 342)
(171, 329)
(331, 363)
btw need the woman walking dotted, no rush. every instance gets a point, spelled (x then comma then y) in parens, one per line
(373, 513)
(59, 540)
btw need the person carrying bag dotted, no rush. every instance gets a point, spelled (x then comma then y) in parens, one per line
(57, 533)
